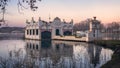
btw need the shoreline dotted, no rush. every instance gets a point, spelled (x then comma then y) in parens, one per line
(115, 46)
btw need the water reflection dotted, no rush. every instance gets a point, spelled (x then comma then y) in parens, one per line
(65, 54)
(51, 54)
(94, 54)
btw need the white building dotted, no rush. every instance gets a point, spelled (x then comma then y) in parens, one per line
(95, 30)
(57, 29)
(48, 30)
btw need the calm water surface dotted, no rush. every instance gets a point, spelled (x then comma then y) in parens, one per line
(52, 54)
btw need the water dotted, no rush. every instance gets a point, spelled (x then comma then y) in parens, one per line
(52, 54)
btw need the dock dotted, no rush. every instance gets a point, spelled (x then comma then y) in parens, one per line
(70, 38)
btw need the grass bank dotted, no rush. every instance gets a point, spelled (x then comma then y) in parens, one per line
(114, 45)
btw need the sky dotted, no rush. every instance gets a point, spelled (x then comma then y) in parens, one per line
(105, 10)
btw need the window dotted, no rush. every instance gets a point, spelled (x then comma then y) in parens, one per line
(30, 45)
(57, 32)
(37, 47)
(33, 32)
(27, 32)
(36, 31)
(30, 31)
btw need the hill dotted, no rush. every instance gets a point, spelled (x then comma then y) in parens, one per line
(11, 29)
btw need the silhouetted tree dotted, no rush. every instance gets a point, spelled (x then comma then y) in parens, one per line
(113, 30)
(30, 3)
(82, 26)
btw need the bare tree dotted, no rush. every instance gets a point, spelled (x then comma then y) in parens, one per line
(4, 4)
(113, 30)
(82, 26)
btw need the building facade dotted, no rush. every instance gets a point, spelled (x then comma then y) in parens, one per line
(94, 30)
(48, 30)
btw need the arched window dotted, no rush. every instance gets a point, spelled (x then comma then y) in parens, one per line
(46, 35)
(30, 31)
(57, 32)
(27, 32)
(36, 31)
(67, 33)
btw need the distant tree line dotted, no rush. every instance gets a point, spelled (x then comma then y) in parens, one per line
(112, 30)
(111, 27)
(10, 29)
(82, 26)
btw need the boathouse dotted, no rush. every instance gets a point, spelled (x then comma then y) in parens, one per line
(61, 30)
(48, 30)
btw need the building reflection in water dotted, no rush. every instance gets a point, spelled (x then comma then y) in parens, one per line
(65, 54)
(94, 54)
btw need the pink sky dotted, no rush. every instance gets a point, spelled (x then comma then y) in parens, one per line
(105, 10)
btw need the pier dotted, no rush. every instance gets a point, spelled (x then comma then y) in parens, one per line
(70, 38)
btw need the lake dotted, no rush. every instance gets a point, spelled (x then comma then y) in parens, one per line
(52, 54)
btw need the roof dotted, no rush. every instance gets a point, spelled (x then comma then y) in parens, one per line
(94, 21)
(57, 18)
